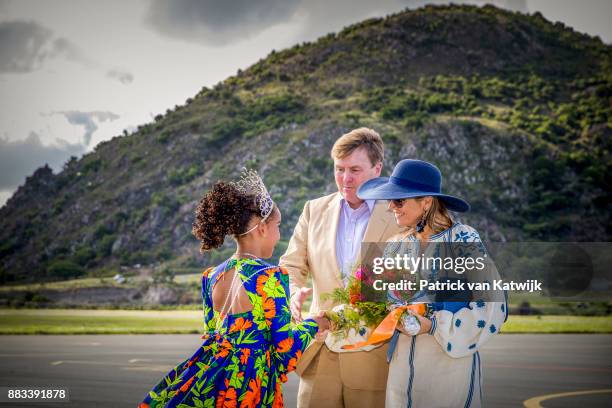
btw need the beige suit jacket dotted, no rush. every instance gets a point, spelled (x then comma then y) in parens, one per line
(312, 252)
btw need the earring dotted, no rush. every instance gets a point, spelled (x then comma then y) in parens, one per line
(420, 227)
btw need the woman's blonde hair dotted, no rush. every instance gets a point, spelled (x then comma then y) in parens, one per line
(437, 217)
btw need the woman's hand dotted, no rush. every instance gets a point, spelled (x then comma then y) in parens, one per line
(425, 324)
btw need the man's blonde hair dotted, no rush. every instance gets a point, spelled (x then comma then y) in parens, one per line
(355, 139)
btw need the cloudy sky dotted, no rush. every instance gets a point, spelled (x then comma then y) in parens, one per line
(76, 72)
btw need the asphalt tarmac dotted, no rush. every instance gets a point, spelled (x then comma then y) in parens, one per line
(558, 370)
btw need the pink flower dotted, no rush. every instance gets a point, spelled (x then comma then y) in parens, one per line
(362, 274)
(359, 273)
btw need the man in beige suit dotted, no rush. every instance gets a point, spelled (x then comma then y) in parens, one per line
(325, 247)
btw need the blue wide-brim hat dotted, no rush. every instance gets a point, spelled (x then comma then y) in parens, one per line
(411, 178)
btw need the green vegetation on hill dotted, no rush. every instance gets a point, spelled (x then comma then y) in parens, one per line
(515, 110)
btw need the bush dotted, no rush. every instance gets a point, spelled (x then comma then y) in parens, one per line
(163, 137)
(228, 129)
(183, 175)
(106, 245)
(65, 269)
(6, 276)
(141, 257)
(83, 255)
(92, 165)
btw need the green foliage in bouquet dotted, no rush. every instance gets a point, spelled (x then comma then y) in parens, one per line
(354, 312)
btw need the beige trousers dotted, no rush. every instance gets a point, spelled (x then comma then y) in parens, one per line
(344, 380)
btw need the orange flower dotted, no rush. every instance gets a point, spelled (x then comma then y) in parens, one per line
(245, 355)
(143, 405)
(283, 271)
(285, 345)
(269, 308)
(271, 271)
(190, 362)
(292, 364)
(253, 394)
(224, 349)
(354, 298)
(278, 396)
(261, 281)
(226, 399)
(186, 386)
(283, 377)
(207, 271)
(240, 324)
(268, 357)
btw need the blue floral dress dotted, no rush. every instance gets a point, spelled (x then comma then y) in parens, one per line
(245, 356)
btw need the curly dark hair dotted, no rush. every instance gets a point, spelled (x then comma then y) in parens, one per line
(222, 211)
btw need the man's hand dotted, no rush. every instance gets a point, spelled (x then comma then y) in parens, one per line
(322, 321)
(297, 300)
(321, 336)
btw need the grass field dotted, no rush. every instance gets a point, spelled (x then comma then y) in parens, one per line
(74, 321)
(70, 321)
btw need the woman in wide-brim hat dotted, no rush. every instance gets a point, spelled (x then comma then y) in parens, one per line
(440, 365)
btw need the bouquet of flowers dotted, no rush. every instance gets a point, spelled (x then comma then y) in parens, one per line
(355, 320)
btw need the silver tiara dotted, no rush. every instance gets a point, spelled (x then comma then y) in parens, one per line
(251, 184)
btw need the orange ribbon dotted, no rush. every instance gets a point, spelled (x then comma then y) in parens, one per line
(386, 328)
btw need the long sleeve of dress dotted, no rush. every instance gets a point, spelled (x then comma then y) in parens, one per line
(462, 332)
(289, 339)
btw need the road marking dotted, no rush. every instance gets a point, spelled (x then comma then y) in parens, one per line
(549, 367)
(85, 362)
(136, 360)
(93, 343)
(122, 366)
(161, 369)
(535, 401)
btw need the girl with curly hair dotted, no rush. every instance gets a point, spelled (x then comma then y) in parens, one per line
(250, 342)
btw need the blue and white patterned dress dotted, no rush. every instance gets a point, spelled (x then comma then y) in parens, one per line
(442, 368)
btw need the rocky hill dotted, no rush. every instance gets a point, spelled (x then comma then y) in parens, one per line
(515, 110)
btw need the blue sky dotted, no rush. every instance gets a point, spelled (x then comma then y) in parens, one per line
(75, 73)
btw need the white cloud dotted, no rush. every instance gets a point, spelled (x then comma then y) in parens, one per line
(5, 194)
(87, 120)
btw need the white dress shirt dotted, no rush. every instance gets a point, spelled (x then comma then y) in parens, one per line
(351, 229)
